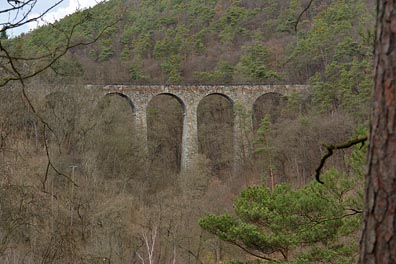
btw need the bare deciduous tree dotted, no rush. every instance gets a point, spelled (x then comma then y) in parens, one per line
(14, 67)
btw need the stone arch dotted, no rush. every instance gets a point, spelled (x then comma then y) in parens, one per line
(165, 123)
(219, 94)
(181, 102)
(269, 103)
(122, 95)
(114, 138)
(215, 121)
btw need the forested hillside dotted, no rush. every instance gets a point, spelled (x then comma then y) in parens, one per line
(215, 41)
(79, 185)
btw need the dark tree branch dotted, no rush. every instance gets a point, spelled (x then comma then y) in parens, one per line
(301, 14)
(251, 252)
(331, 148)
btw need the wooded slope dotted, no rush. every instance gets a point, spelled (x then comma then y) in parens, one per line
(212, 41)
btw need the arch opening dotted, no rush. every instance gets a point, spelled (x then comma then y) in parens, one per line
(215, 119)
(165, 115)
(265, 162)
(114, 141)
(269, 104)
(125, 97)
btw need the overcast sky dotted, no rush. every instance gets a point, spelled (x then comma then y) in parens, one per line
(60, 11)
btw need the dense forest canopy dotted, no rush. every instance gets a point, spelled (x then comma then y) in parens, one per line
(214, 42)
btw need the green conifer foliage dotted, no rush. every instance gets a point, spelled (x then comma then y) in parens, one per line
(315, 224)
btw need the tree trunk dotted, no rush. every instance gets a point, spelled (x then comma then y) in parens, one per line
(378, 244)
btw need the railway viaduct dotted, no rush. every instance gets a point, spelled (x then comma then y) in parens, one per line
(189, 97)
